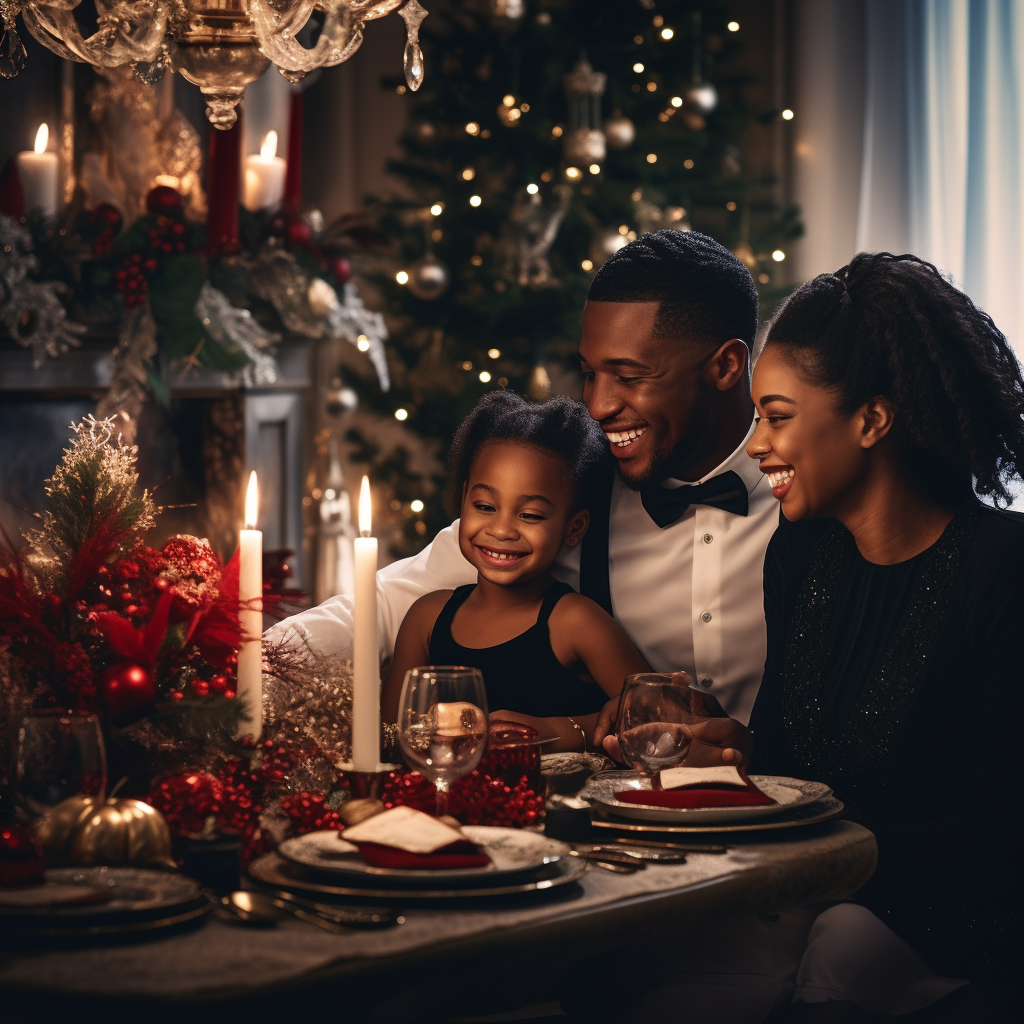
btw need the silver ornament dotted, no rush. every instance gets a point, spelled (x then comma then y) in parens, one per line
(700, 96)
(428, 278)
(619, 131)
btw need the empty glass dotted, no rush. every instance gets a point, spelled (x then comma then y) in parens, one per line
(653, 714)
(442, 724)
(59, 755)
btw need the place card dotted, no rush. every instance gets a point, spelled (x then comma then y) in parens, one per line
(404, 828)
(723, 775)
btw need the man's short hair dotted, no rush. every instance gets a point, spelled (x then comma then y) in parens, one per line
(705, 293)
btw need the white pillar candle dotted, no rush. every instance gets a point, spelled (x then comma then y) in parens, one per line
(366, 663)
(38, 174)
(250, 615)
(264, 176)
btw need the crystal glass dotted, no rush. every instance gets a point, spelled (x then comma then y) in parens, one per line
(653, 713)
(59, 755)
(442, 724)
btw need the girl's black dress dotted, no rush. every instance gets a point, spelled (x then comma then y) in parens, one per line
(522, 674)
(900, 686)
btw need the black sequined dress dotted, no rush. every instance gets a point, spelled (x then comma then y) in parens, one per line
(900, 686)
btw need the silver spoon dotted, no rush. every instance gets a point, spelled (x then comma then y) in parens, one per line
(258, 908)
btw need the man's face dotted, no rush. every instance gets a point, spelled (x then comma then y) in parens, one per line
(646, 392)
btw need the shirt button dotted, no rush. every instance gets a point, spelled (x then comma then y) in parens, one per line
(706, 681)
(706, 616)
(707, 538)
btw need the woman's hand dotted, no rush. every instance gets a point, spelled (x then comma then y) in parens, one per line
(569, 736)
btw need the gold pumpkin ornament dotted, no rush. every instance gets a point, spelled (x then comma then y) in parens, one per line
(91, 830)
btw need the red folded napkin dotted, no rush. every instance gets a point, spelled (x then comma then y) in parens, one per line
(404, 837)
(457, 855)
(701, 793)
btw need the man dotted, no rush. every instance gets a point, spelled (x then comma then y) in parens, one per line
(676, 549)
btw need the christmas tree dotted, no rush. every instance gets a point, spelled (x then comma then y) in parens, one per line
(547, 135)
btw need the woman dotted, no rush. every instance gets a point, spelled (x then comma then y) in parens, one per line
(894, 599)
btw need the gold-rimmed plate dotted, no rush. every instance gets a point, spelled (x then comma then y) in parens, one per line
(809, 814)
(138, 899)
(275, 872)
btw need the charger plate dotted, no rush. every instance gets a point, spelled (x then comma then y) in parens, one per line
(275, 872)
(138, 899)
(512, 851)
(789, 795)
(809, 814)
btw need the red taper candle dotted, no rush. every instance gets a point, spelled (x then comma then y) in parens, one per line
(224, 171)
(292, 201)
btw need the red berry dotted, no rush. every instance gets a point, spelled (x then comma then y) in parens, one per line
(219, 683)
(229, 693)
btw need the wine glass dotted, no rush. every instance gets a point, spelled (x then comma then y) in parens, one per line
(653, 714)
(442, 724)
(60, 755)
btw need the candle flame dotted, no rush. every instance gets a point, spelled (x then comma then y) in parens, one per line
(42, 138)
(365, 507)
(252, 502)
(269, 148)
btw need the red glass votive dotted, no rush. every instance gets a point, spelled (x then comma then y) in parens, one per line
(512, 752)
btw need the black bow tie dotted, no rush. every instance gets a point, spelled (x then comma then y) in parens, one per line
(726, 491)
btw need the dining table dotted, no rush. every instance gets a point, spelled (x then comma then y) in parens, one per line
(443, 962)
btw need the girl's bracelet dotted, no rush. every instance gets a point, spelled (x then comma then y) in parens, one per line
(579, 728)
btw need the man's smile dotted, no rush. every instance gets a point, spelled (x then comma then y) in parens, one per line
(624, 438)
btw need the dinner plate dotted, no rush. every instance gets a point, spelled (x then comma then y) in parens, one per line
(275, 872)
(138, 899)
(809, 814)
(512, 852)
(789, 794)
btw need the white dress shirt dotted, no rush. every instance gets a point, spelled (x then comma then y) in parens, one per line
(690, 595)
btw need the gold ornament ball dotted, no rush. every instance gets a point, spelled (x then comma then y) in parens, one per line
(604, 245)
(88, 830)
(428, 278)
(584, 146)
(619, 131)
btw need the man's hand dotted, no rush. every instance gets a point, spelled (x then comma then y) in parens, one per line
(717, 741)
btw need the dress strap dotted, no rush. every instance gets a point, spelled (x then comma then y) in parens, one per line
(443, 622)
(555, 593)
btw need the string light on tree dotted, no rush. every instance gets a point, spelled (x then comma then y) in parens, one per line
(401, 415)
(494, 353)
(468, 174)
(532, 189)
(787, 114)
(652, 158)
(573, 173)
(472, 128)
(638, 68)
(363, 343)
(778, 255)
(485, 377)
(667, 34)
(416, 505)
(733, 26)
(595, 168)
(475, 200)
(402, 277)
(437, 209)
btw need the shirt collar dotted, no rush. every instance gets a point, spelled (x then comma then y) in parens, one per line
(739, 462)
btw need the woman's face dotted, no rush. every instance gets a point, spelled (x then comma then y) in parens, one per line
(517, 513)
(816, 458)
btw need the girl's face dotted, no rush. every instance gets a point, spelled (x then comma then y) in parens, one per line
(816, 458)
(517, 513)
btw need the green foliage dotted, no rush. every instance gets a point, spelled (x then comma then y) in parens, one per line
(438, 348)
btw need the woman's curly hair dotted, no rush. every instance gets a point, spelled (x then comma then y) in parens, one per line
(893, 326)
(561, 426)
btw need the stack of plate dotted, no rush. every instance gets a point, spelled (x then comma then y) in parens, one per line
(96, 901)
(796, 803)
(324, 864)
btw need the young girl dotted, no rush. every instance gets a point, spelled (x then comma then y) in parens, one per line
(550, 658)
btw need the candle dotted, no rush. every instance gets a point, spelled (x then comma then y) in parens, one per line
(264, 176)
(224, 172)
(366, 663)
(38, 174)
(250, 615)
(293, 181)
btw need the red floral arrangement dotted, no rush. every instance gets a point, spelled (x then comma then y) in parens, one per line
(93, 619)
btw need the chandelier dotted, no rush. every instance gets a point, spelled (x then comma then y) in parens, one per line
(219, 45)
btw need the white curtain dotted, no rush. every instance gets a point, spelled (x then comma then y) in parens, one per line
(943, 148)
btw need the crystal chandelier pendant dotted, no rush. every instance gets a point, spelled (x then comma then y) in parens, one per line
(219, 45)
(12, 50)
(413, 14)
